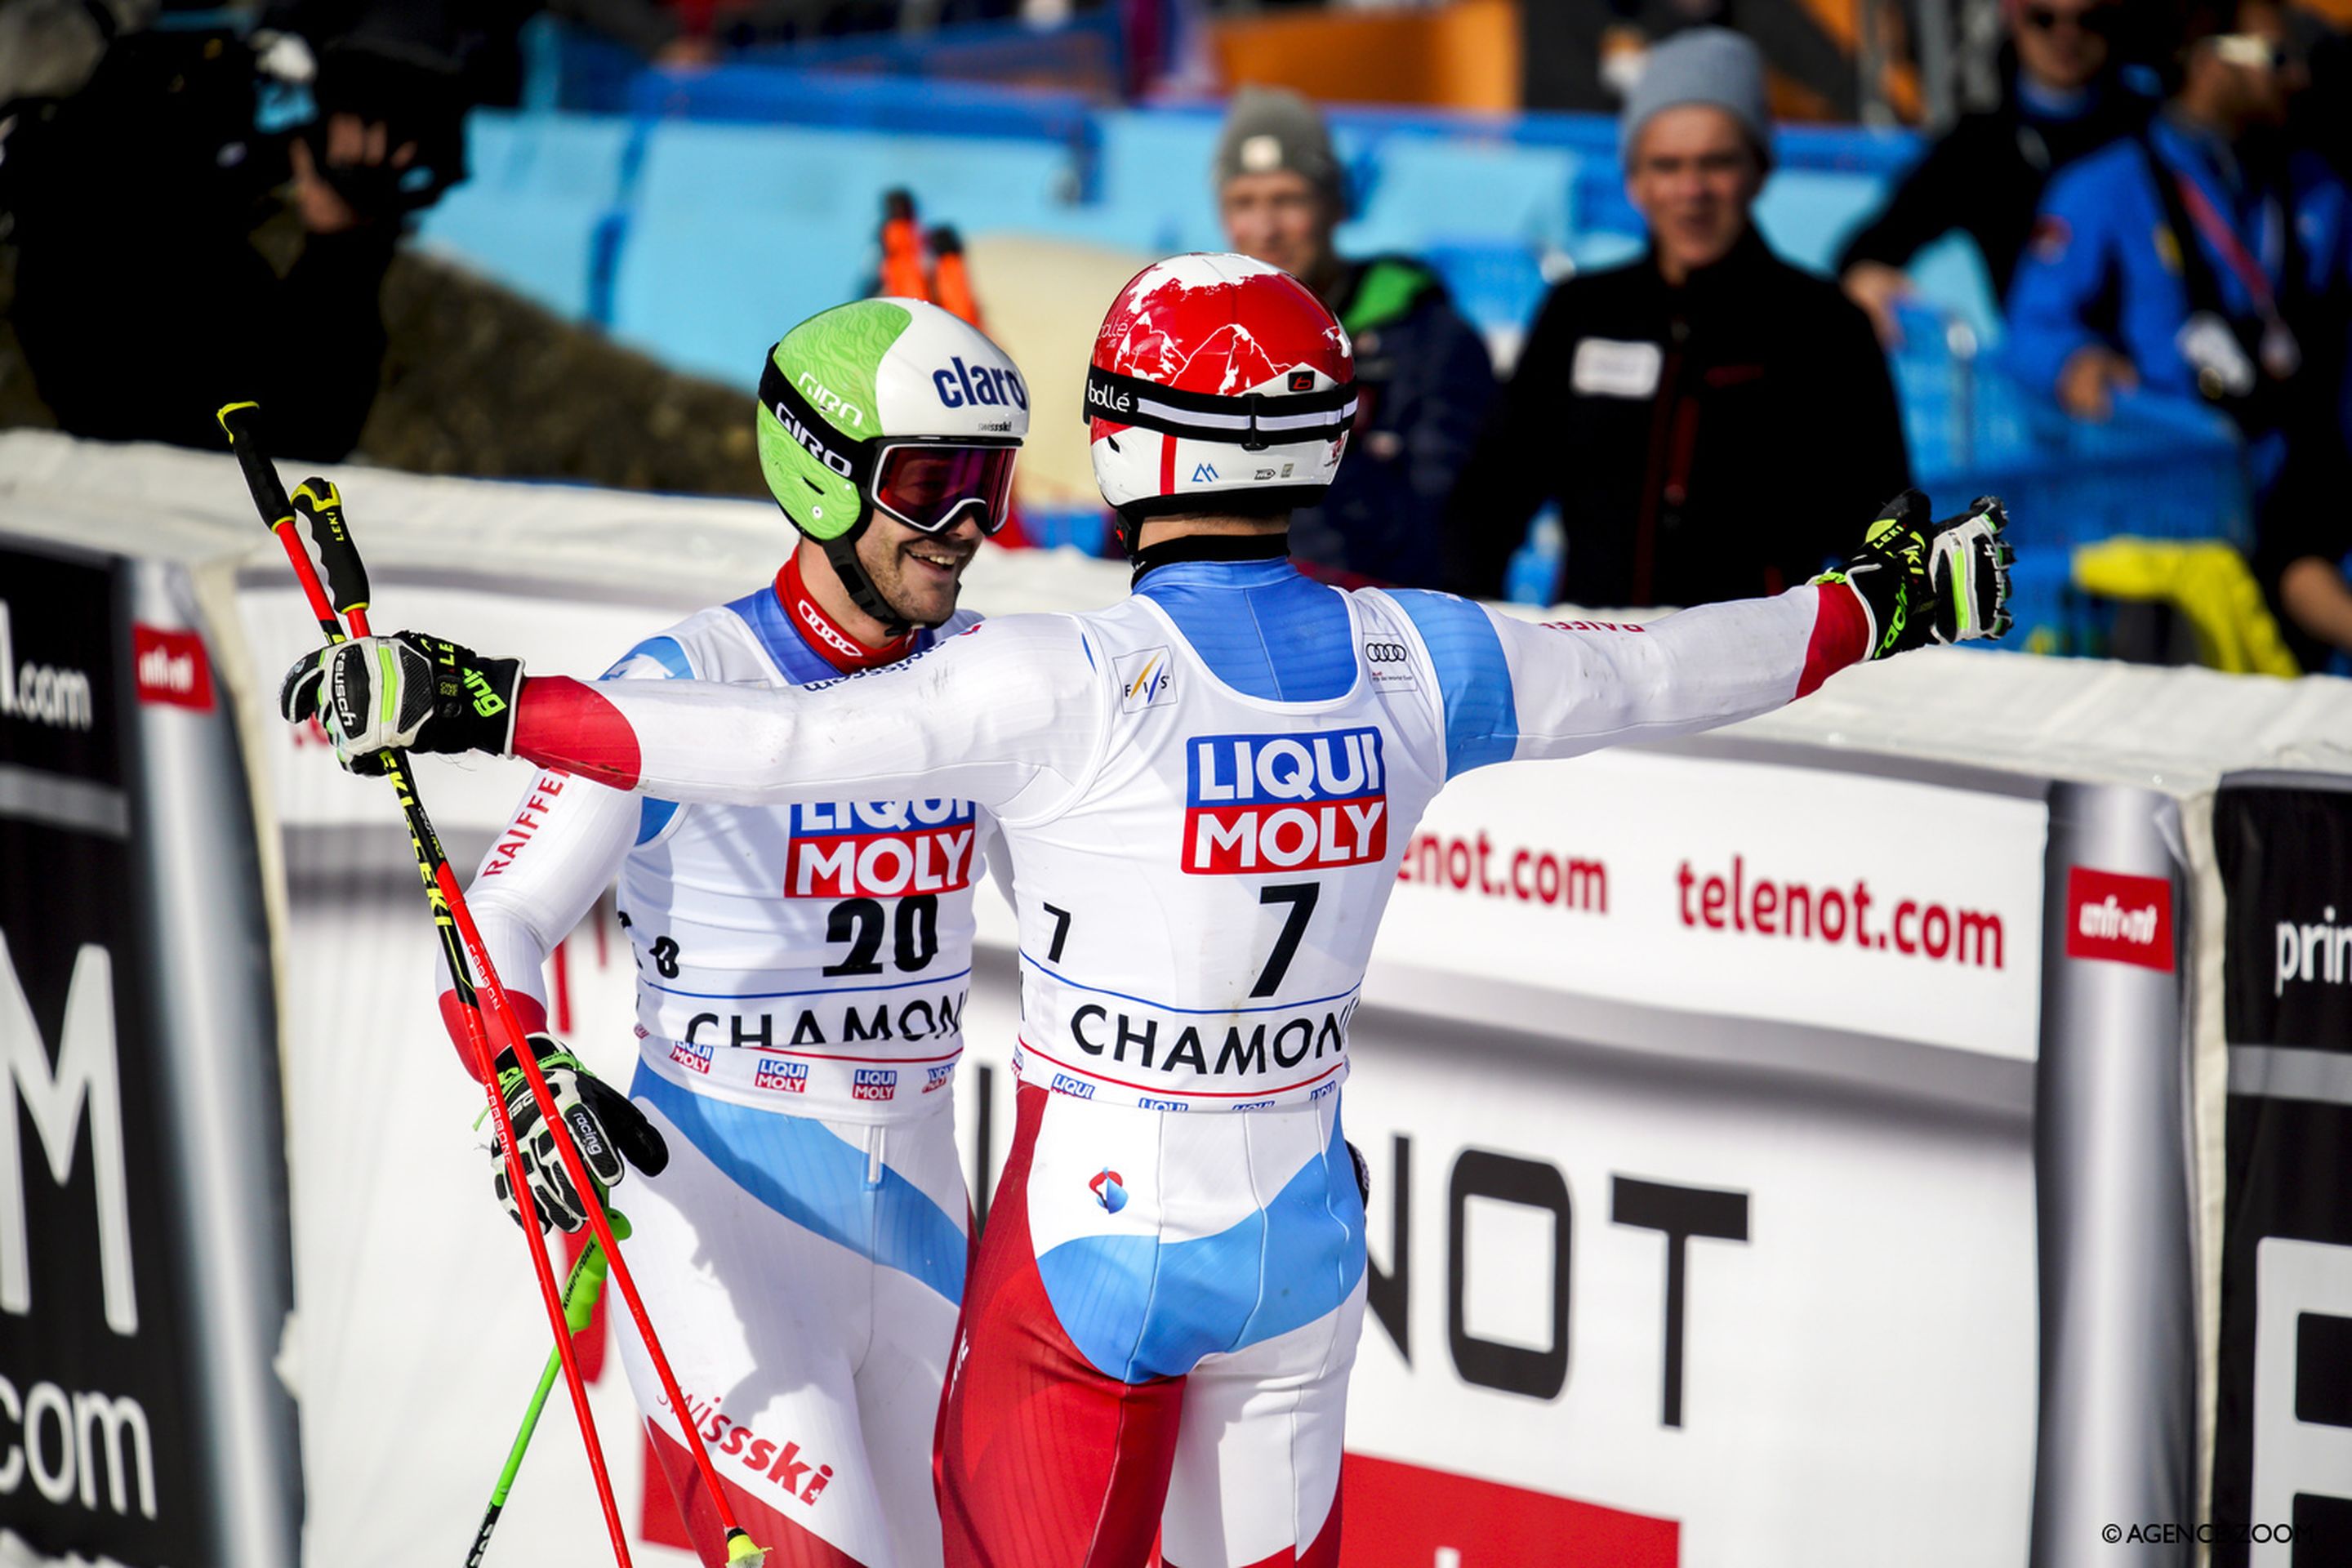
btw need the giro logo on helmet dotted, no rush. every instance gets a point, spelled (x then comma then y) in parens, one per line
(994, 386)
(817, 449)
(830, 404)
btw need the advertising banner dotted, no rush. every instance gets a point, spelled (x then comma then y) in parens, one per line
(97, 1413)
(144, 1274)
(2283, 1448)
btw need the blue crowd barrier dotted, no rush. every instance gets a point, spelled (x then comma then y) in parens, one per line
(544, 210)
(725, 206)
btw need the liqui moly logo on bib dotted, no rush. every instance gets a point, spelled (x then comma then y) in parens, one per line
(1280, 802)
(879, 850)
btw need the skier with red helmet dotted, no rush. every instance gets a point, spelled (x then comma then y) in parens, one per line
(1205, 790)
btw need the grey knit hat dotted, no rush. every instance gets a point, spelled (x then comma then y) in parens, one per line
(1273, 128)
(1713, 65)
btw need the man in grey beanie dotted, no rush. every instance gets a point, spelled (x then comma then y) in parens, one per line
(1697, 413)
(1422, 373)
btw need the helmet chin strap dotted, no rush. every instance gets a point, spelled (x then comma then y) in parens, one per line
(842, 554)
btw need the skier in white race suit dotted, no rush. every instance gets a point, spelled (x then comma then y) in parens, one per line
(802, 972)
(1206, 790)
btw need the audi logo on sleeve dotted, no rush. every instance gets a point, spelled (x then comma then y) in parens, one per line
(1385, 653)
(1279, 803)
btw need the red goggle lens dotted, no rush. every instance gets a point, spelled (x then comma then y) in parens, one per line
(929, 487)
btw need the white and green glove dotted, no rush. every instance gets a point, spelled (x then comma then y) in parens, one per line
(406, 692)
(1923, 583)
(607, 1128)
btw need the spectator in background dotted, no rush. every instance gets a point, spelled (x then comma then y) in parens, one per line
(1702, 415)
(1422, 373)
(2207, 259)
(1985, 176)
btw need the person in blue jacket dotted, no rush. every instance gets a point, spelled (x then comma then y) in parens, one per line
(2206, 260)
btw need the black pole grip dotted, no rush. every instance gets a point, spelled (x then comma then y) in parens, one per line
(321, 506)
(241, 421)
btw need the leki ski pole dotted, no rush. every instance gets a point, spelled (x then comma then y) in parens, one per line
(327, 544)
(581, 1288)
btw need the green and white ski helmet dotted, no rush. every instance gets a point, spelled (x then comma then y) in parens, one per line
(887, 403)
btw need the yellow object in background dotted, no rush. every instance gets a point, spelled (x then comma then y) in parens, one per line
(2208, 581)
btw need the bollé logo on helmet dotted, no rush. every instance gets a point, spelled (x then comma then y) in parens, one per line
(829, 403)
(1109, 399)
(817, 449)
(994, 386)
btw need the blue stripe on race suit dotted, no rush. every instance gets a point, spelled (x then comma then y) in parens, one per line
(1138, 1308)
(1235, 614)
(652, 816)
(808, 1173)
(1482, 715)
(665, 651)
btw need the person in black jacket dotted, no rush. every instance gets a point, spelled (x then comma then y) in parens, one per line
(1985, 176)
(1423, 377)
(1704, 415)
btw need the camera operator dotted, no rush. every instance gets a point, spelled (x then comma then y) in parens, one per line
(141, 150)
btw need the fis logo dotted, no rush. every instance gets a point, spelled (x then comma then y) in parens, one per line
(1109, 1189)
(1275, 803)
(937, 1077)
(875, 1083)
(963, 385)
(879, 850)
(783, 1077)
(1143, 678)
(687, 1053)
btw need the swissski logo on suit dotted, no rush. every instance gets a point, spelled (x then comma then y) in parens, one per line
(1255, 804)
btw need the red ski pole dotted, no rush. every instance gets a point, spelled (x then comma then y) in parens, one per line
(329, 551)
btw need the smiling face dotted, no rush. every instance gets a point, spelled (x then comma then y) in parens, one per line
(1694, 177)
(918, 574)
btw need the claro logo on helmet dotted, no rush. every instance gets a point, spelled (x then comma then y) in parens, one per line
(829, 403)
(992, 386)
(817, 449)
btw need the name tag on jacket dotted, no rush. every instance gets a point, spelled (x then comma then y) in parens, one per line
(1607, 368)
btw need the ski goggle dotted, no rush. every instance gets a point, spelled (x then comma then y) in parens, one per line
(930, 485)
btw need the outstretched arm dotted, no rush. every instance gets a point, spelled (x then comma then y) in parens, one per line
(1514, 690)
(1010, 713)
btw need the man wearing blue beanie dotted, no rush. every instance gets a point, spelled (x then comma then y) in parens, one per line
(1699, 413)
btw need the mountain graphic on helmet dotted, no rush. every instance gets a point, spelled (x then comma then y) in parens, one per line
(1217, 374)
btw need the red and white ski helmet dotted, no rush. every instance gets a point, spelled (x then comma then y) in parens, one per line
(1214, 375)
